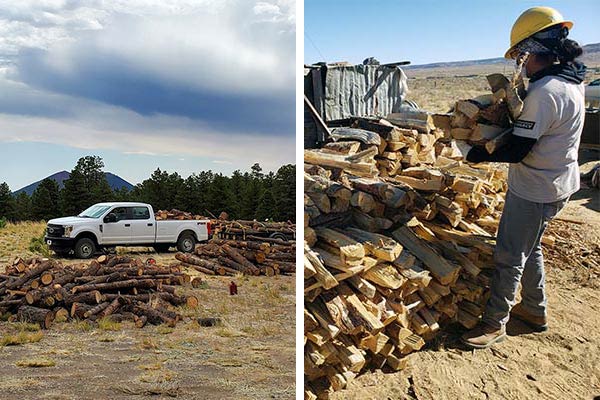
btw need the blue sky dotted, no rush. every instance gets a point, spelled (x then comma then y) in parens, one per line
(184, 85)
(426, 31)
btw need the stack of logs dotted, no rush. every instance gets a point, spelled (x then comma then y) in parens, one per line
(231, 257)
(162, 215)
(252, 230)
(487, 119)
(397, 244)
(40, 290)
(435, 184)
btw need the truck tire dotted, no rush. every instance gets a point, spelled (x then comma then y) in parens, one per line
(186, 243)
(162, 248)
(84, 248)
(280, 236)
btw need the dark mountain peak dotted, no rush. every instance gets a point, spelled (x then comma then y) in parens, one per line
(114, 181)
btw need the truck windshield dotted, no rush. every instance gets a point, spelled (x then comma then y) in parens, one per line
(94, 211)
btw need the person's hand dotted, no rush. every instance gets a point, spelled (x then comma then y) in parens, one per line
(463, 148)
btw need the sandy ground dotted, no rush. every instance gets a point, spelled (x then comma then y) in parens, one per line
(250, 356)
(562, 363)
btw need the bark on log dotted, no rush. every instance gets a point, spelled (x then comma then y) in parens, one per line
(36, 315)
(237, 257)
(131, 283)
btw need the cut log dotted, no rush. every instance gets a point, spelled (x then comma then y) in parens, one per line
(35, 315)
(131, 283)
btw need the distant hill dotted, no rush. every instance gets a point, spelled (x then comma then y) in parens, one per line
(115, 182)
(591, 56)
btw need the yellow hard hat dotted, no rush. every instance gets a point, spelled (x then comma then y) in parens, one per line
(532, 21)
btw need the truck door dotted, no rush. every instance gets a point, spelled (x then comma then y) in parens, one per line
(142, 226)
(119, 231)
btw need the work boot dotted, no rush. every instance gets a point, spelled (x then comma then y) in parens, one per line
(538, 324)
(483, 336)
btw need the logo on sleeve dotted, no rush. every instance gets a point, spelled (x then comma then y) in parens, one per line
(520, 123)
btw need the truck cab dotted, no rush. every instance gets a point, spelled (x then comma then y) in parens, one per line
(106, 225)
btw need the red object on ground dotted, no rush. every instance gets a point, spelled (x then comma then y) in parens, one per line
(232, 288)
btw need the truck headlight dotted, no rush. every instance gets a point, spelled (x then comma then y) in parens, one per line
(68, 230)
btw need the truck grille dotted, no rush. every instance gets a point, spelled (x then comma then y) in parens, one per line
(54, 230)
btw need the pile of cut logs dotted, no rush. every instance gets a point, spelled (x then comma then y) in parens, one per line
(40, 290)
(397, 243)
(252, 230)
(162, 215)
(231, 257)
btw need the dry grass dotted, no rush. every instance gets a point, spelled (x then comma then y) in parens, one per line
(161, 361)
(20, 338)
(36, 363)
(15, 239)
(164, 329)
(148, 344)
(26, 326)
(106, 324)
(437, 89)
(151, 367)
(82, 326)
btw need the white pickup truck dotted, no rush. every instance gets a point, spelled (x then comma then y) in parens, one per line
(107, 225)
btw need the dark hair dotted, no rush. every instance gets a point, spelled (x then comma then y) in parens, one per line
(568, 50)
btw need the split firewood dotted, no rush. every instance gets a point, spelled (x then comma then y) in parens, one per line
(378, 283)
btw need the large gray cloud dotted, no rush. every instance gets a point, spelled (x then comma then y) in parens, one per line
(213, 68)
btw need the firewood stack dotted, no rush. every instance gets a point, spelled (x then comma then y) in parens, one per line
(231, 257)
(395, 245)
(162, 215)
(252, 230)
(40, 290)
(487, 119)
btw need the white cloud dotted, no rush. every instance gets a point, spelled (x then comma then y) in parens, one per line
(150, 136)
(232, 48)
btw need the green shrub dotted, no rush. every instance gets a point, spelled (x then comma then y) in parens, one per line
(3, 222)
(38, 245)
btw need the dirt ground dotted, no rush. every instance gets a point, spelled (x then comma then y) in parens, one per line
(562, 363)
(250, 356)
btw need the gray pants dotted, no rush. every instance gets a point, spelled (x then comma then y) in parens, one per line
(518, 258)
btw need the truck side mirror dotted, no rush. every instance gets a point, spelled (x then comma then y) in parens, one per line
(111, 217)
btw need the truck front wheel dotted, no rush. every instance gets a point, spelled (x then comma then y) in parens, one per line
(84, 248)
(186, 243)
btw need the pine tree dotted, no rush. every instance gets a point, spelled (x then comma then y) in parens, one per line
(75, 196)
(45, 201)
(216, 196)
(86, 186)
(284, 192)
(161, 189)
(122, 194)
(7, 202)
(266, 209)
(23, 207)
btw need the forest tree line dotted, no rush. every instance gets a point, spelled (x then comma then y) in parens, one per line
(243, 195)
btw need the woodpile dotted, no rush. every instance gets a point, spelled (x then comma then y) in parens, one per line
(253, 230)
(487, 120)
(162, 215)
(249, 257)
(40, 290)
(397, 244)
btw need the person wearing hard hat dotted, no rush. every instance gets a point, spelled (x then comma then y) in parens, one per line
(543, 173)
